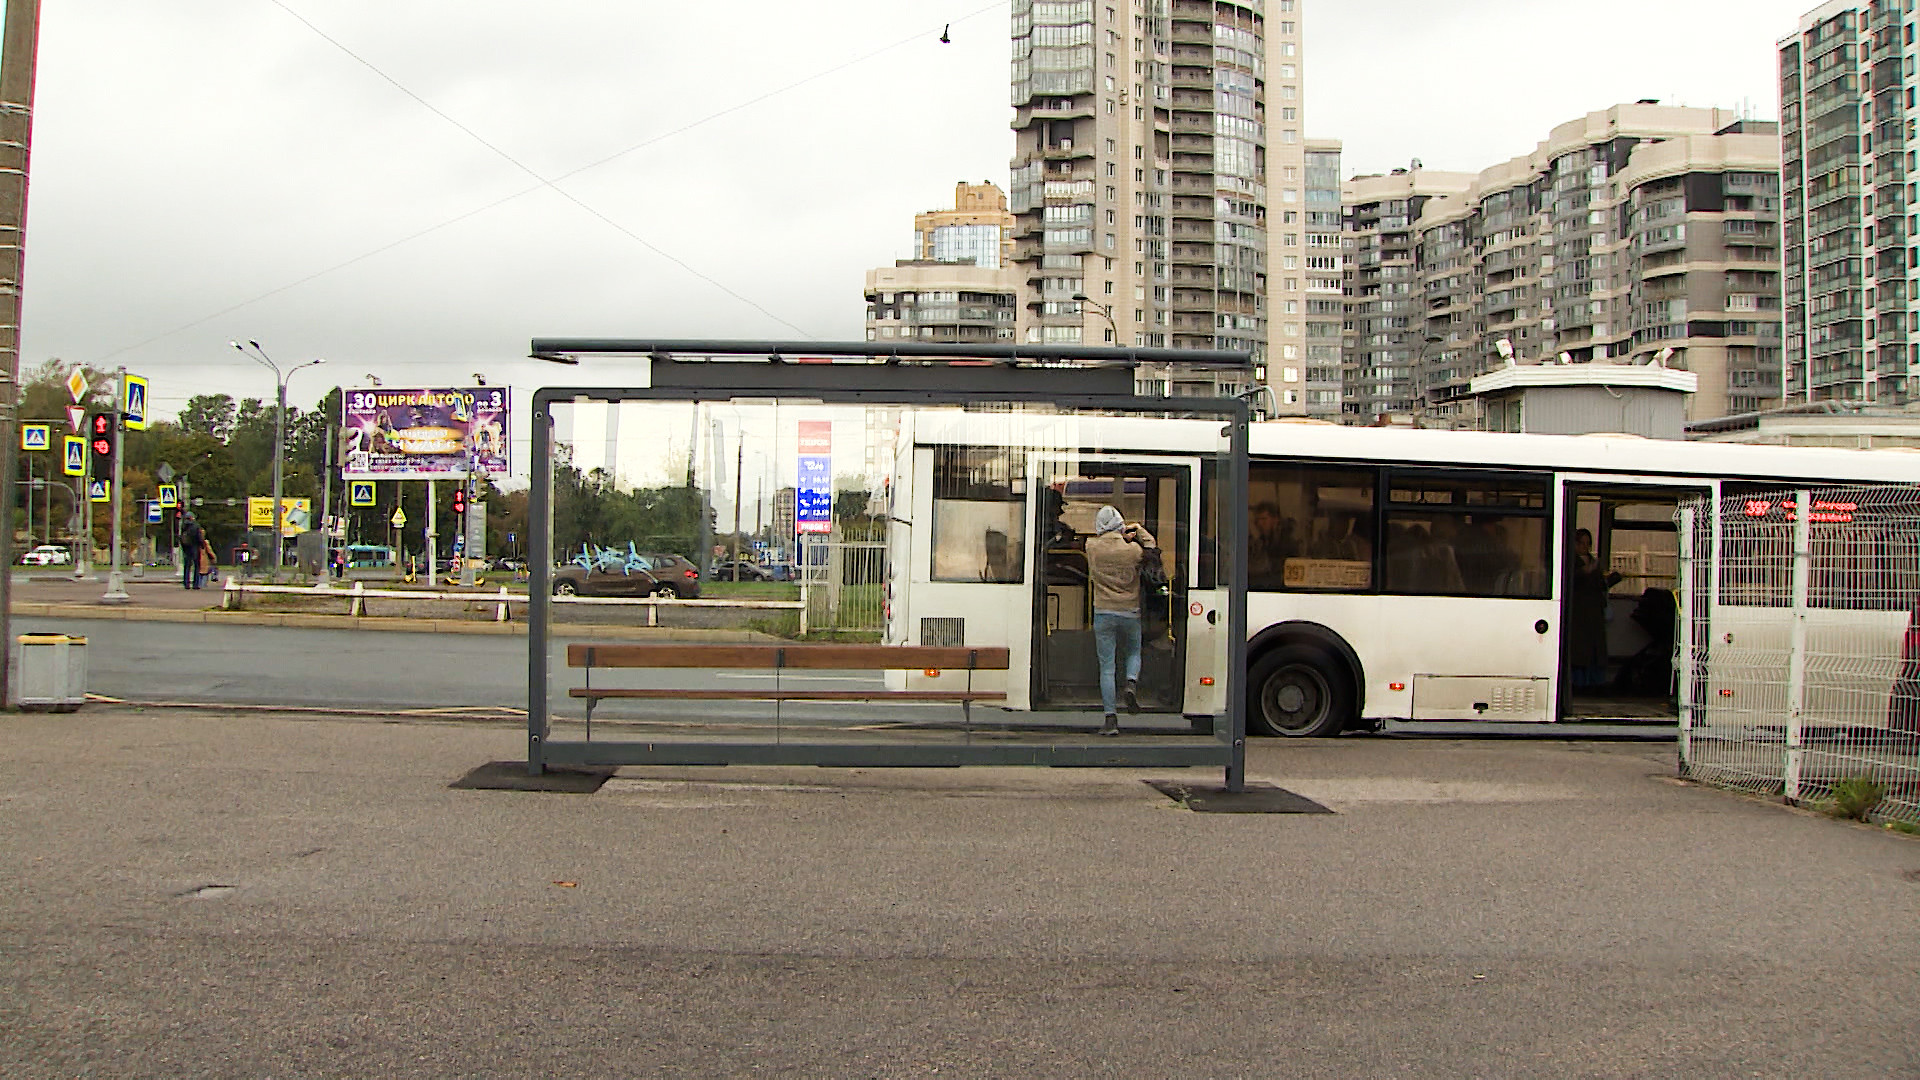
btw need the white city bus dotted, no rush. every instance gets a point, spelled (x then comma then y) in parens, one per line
(1394, 574)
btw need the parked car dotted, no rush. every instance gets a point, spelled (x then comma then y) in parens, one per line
(47, 555)
(725, 571)
(510, 562)
(665, 576)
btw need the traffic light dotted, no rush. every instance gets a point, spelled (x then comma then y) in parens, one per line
(460, 500)
(100, 429)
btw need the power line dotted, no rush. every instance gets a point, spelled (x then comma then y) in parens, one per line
(543, 181)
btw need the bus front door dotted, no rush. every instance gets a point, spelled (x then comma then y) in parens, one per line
(1159, 495)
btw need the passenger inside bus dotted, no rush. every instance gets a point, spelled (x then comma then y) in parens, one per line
(1587, 614)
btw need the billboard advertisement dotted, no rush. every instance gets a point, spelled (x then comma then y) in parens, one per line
(295, 514)
(427, 434)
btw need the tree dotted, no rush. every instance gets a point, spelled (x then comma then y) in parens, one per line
(209, 414)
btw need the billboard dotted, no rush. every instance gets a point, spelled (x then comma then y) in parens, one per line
(813, 501)
(295, 514)
(428, 434)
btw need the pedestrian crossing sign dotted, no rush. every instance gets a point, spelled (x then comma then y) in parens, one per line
(360, 493)
(99, 491)
(76, 463)
(36, 436)
(133, 402)
(169, 496)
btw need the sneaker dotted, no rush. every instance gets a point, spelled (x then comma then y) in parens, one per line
(1111, 725)
(1133, 700)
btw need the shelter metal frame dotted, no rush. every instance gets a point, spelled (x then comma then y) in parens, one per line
(1072, 377)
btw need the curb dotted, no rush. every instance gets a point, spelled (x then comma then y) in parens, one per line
(308, 620)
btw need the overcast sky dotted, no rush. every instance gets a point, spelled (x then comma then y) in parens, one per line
(220, 169)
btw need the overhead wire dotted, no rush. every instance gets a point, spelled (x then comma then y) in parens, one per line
(544, 182)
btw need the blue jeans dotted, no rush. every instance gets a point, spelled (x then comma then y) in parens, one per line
(1115, 636)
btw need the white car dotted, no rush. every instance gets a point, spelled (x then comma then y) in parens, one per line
(47, 555)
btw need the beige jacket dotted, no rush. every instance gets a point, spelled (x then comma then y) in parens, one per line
(1113, 568)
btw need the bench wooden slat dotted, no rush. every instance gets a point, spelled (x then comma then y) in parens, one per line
(790, 695)
(834, 657)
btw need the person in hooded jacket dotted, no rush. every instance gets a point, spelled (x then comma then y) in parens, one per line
(191, 539)
(1113, 570)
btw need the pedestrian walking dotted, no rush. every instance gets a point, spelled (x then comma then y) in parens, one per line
(192, 537)
(204, 564)
(1114, 554)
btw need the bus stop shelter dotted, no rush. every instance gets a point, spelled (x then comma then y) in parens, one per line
(617, 438)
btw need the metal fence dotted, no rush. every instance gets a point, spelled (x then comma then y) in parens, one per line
(845, 583)
(1799, 646)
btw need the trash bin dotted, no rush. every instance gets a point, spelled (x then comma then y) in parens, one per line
(50, 672)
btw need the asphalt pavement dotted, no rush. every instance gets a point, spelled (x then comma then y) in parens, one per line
(206, 894)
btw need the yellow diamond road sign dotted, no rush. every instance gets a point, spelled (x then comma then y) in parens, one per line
(77, 385)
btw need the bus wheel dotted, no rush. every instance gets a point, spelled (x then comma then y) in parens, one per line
(1299, 692)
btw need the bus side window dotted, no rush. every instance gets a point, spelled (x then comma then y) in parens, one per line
(1460, 534)
(1311, 528)
(979, 519)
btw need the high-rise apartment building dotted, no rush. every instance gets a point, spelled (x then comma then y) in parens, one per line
(1385, 309)
(1158, 176)
(978, 228)
(1852, 266)
(1320, 276)
(1635, 232)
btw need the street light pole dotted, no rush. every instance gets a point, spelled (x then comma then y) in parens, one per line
(279, 435)
(1106, 312)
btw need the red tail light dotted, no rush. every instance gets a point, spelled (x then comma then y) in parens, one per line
(691, 573)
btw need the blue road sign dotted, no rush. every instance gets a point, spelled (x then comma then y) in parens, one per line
(36, 436)
(99, 491)
(133, 402)
(153, 511)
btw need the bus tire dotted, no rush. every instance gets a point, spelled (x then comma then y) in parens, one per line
(1299, 692)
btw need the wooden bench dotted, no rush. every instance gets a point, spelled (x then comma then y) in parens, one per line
(779, 658)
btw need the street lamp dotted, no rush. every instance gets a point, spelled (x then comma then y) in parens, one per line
(279, 430)
(374, 379)
(1106, 312)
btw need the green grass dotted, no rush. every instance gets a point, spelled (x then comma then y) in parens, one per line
(722, 589)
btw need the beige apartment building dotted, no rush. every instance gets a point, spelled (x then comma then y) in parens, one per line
(960, 289)
(1383, 347)
(1158, 176)
(1637, 232)
(941, 302)
(977, 228)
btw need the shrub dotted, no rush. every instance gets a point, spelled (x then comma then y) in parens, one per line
(1855, 797)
